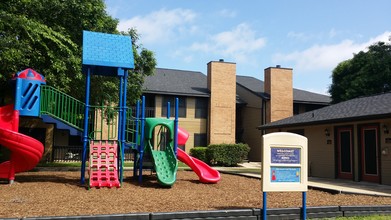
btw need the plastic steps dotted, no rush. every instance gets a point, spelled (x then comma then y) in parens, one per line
(103, 166)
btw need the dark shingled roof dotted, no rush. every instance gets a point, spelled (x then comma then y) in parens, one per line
(364, 108)
(192, 83)
(299, 96)
(177, 82)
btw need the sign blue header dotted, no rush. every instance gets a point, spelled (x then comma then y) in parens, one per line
(285, 155)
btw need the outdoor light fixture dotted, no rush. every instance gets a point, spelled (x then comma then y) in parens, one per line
(385, 129)
(327, 132)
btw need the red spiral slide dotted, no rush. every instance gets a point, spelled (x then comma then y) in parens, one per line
(205, 173)
(25, 151)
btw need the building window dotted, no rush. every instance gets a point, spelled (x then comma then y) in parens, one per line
(201, 108)
(200, 140)
(181, 106)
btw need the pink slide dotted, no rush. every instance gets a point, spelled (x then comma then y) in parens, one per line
(25, 151)
(206, 173)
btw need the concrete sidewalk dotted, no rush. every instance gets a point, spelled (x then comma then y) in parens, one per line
(253, 169)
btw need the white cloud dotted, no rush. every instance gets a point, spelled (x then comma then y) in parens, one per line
(326, 56)
(238, 43)
(299, 36)
(227, 13)
(311, 36)
(162, 25)
(332, 33)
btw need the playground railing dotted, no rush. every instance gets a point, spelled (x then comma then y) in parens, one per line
(131, 131)
(62, 106)
(104, 122)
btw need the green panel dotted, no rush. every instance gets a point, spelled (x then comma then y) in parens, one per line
(151, 123)
(166, 166)
(165, 162)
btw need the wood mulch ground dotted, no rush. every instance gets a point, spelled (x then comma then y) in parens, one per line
(56, 193)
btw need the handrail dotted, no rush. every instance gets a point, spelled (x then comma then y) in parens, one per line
(103, 120)
(62, 106)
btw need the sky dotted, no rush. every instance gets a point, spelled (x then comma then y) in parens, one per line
(309, 36)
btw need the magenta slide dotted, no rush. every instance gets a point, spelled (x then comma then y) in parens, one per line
(206, 173)
(25, 151)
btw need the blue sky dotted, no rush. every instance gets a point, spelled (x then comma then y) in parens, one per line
(311, 37)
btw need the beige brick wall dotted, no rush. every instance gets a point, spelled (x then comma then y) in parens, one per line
(222, 86)
(278, 83)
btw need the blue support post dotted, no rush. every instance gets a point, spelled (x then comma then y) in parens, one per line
(168, 110)
(140, 178)
(85, 128)
(120, 119)
(124, 113)
(123, 128)
(304, 205)
(136, 138)
(264, 209)
(18, 93)
(176, 126)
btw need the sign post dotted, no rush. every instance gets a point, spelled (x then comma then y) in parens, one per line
(284, 165)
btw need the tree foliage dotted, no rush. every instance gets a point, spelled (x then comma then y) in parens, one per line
(46, 35)
(367, 73)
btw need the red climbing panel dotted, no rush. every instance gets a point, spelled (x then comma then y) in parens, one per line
(103, 164)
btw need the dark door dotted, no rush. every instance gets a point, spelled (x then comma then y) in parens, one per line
(345, 152)
(369, 154)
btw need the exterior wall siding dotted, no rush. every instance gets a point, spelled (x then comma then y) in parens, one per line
(251, 118)
(322, 155)
(251, 135)
(190, 123)
(385, 142)
(321, 161)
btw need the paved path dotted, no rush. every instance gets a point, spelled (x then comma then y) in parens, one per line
(331, 185)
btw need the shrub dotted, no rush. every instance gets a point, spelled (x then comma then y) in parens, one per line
(199, 153)
(227, 154)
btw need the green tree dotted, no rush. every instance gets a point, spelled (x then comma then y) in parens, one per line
(367, 73)
(145, 64)
(46, 35)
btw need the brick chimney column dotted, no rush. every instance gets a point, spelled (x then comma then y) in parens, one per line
(222, 105)
(278, 84)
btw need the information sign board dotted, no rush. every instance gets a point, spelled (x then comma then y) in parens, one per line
(284, 162)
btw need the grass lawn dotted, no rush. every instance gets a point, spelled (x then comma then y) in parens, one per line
(375, 217)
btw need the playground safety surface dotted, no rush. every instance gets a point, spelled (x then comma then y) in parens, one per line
(58, 193)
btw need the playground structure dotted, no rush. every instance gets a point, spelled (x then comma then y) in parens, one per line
(106, 130)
